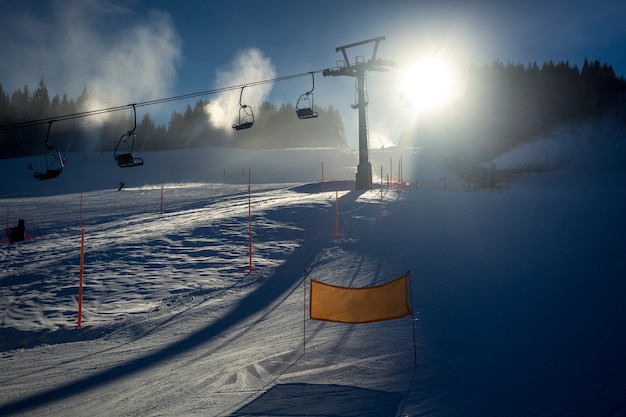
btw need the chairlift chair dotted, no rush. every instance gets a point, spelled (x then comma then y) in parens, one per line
(126, 158)
(304, 105)
(246, 115)
(54, 160)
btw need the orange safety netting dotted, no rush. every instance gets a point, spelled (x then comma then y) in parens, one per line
(394, 182)
(359, 305)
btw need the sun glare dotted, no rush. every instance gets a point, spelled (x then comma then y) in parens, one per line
(427, 84)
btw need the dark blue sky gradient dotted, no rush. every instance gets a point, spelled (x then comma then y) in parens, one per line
(73, 44)
(301, 36)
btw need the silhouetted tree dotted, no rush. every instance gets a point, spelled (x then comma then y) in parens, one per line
(40, 101)
(507, 104)
(504, 105)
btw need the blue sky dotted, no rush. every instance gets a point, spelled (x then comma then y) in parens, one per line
(137, 50)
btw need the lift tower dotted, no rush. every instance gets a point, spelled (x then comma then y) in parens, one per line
(358, 69)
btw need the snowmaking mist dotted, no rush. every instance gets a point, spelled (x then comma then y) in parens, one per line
(80, 45)
(248, 65)
(568, 146)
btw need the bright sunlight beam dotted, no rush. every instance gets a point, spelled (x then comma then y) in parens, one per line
(427, 84)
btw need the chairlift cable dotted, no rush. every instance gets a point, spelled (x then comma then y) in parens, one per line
(96, 112)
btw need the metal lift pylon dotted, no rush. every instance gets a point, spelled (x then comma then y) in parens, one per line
(358, 70)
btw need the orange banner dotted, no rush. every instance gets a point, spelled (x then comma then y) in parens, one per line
(359, 305)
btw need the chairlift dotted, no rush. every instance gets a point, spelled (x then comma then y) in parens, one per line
(54, 160)
(246, 115)
(126, 158)
(304, 105)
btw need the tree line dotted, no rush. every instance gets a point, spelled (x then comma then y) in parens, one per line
(504, 105)
(274, 127)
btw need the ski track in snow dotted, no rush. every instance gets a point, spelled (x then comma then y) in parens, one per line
(517, 301)
(146, 274)
(134, 259)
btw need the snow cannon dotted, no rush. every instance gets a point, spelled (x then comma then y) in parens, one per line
(482, 175)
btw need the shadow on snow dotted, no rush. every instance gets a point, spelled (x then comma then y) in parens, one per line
(285, 279)
(321, 400)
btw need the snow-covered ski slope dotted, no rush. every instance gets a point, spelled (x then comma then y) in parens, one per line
(518, 300)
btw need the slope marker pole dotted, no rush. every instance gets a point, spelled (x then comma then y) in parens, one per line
(80, 279)
(304, 312)
(249, 224)
(161, 211)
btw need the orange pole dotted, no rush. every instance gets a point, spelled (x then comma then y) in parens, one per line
(80, 279)
(304, 314)
(161, 200)
(249, 223)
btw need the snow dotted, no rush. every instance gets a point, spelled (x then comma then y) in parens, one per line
(518, 296)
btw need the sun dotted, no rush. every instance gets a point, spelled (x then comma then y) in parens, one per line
(427, 84)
